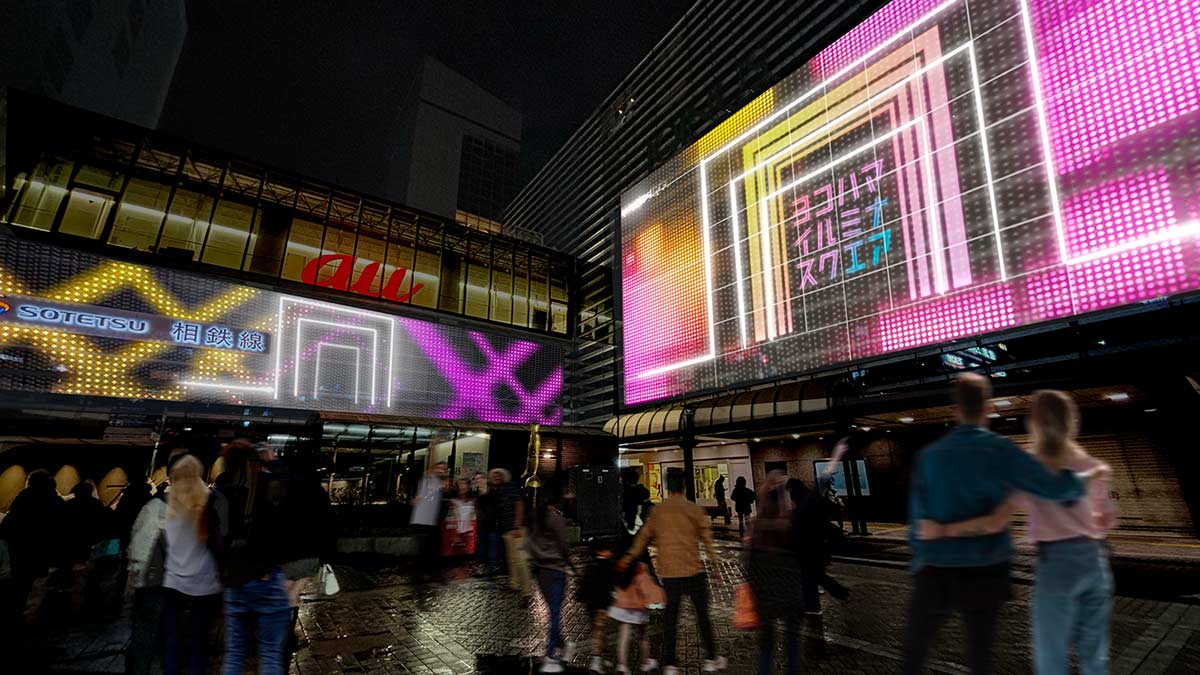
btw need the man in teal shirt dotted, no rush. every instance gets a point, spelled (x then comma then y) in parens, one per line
(967, 473)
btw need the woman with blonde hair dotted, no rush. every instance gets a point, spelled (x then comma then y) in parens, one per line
(1073, 587)
(190, 574)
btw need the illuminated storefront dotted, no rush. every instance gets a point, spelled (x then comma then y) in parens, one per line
(945, 170)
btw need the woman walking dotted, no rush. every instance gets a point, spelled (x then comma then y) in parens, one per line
(547, 546)
(1073, 587)
(190, 574)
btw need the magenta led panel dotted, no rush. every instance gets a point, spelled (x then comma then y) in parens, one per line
(944, 170)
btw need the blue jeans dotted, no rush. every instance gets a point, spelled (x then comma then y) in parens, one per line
(265, 601)
(1072, 603)
(553, 584)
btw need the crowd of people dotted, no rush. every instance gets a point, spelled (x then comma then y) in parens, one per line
(190, 553)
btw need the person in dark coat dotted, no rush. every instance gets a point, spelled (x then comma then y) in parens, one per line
(814, 545)
(719, 493)
(743, 501)
(31, 530)
(775, 574)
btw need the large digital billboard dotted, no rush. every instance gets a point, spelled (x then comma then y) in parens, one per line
(76, 323)
(946, 169)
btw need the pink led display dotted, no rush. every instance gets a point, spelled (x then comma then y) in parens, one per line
(946, 169)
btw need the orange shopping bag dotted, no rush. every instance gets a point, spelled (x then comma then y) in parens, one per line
(745, 615)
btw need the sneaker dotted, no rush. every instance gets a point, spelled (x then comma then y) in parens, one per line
(670, 670)
(714, 665)
(596, 665)
(649, 665)
(550, 665)
(567, 651)
(623, 670)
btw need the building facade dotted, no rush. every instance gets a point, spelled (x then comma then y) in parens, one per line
(917, 189)
(155, 288)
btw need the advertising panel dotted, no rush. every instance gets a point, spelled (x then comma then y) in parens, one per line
(946, 169)
(76, 323)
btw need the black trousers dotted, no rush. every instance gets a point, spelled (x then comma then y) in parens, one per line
(695, 588)
(977, 594)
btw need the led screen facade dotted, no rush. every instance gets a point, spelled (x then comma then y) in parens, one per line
(76, 323)
(947, 169)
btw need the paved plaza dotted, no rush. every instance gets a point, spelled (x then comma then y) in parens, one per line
(382, 624)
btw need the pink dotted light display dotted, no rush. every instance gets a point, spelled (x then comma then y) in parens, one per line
(1074, 138)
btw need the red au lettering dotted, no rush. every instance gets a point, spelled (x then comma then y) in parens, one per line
(342, 277)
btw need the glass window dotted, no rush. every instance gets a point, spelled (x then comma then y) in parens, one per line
(521, 291)
(339, 238)
(228, 234)
(304, 243)
(104, 178)
(400, 256)
(140, 215)
(41, 195)
(478, 279)
(371, 245)
(268, 238)
(427, 274)
(502, 279)
(558, 318)
(187, 221)
(85, 214)
(539, 295)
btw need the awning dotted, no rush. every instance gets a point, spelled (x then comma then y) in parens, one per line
(766, 403)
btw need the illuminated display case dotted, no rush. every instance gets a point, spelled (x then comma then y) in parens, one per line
(946, 169)
(81, 324)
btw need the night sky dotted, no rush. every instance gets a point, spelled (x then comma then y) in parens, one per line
(335, 63)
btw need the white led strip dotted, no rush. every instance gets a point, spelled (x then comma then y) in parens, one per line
(299, 339)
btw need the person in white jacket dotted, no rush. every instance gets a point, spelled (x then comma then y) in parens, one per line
(146, 553)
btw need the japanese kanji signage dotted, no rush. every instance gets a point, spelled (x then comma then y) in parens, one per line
(124, 325)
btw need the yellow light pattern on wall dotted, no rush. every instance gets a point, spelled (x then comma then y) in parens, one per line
(93, 371)
(733, 125)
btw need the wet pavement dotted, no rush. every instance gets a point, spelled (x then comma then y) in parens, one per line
(383, 624)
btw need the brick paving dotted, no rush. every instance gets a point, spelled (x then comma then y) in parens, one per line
(382, 624)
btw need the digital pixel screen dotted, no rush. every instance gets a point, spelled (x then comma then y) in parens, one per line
(80, 324)
(946, 169)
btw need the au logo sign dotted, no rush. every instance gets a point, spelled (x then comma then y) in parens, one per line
(344, 270)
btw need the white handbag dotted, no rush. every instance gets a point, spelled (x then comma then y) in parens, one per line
(328, 580)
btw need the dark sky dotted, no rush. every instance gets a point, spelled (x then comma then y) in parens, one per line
(555, 62)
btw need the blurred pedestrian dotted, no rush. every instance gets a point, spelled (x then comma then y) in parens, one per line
(743, 501)
(548, 552)
(488, 534)
(86, 524)
(191, 578)
(719, 493)
(460, 530)
(146, 561)
(266, 523)
(969, 473)
(635, 593)
(1073, 588)
(775, 574)
(510, 501)
(678, 527)
(31, 530)
(426, 520)
(634, 494)
(595, 592)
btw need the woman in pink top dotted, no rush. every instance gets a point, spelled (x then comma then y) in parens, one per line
(1073, 588)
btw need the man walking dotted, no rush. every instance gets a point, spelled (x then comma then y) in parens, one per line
(969, 472)
(510, 504)
(426, 519)
(677, 527)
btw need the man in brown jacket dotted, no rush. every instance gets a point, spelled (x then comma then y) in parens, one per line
(677, 527)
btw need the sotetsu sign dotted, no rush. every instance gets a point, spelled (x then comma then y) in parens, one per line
(343, 277)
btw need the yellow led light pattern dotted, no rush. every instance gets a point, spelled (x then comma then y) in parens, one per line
(733, 125)
(90, 370)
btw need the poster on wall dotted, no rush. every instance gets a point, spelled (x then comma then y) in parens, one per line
(946, 169)
(76, 323)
